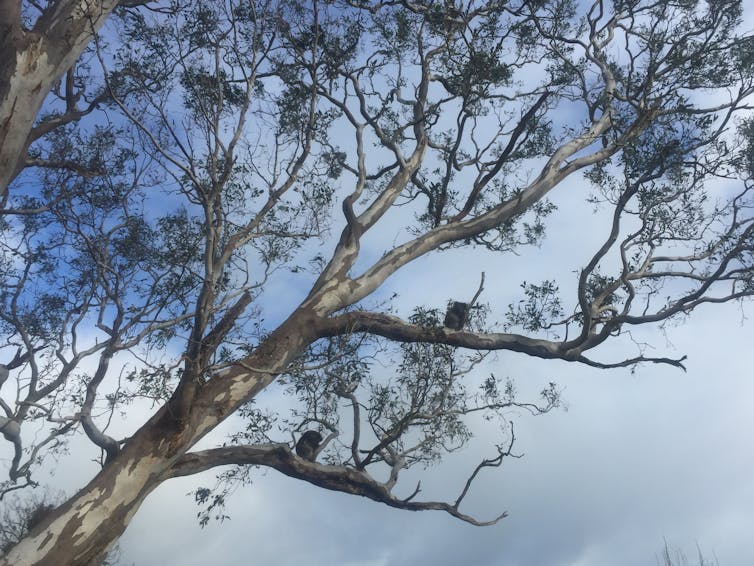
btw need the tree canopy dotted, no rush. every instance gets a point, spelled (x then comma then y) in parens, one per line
(202, 200)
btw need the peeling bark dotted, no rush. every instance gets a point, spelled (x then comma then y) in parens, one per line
(80, 531)
(31, 62)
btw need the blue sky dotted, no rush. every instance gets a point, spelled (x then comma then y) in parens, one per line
(636, 458)
(632, 460)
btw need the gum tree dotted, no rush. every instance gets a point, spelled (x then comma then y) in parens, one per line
(40, 44)
(141, 260)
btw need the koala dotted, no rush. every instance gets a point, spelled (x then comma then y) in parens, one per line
(307, 445)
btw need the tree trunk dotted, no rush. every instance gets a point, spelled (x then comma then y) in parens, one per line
(31, 62)
(80, 531)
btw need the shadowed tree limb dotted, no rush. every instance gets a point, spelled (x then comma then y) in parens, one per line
(394, 328)
(334, 478)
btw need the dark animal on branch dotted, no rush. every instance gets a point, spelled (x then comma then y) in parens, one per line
(458, 312)
(455, 318)
(307, 445)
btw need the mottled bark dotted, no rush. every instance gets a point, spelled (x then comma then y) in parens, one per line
(80, 531)
(31, 62)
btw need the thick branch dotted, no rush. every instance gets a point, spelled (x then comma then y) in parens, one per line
(11, 430)
(33, 62)
(334, 478)
(394, 328)
(72, 166)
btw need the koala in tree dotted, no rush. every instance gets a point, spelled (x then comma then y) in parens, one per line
(307, 445)
(456, 315)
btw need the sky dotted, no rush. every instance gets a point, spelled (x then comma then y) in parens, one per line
(635, 459)
(631, 460)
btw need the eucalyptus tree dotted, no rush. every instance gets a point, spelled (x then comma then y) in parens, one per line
(229, 140)
(40, 43)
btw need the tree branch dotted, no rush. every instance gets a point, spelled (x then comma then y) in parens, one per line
(334, 478)
(394, 328)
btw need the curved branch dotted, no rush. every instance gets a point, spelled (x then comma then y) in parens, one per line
(97, 436)
(11, 430)
(489, 463)
(334, 478)
(677, 362)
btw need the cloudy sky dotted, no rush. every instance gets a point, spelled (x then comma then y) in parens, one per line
(634, 458)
